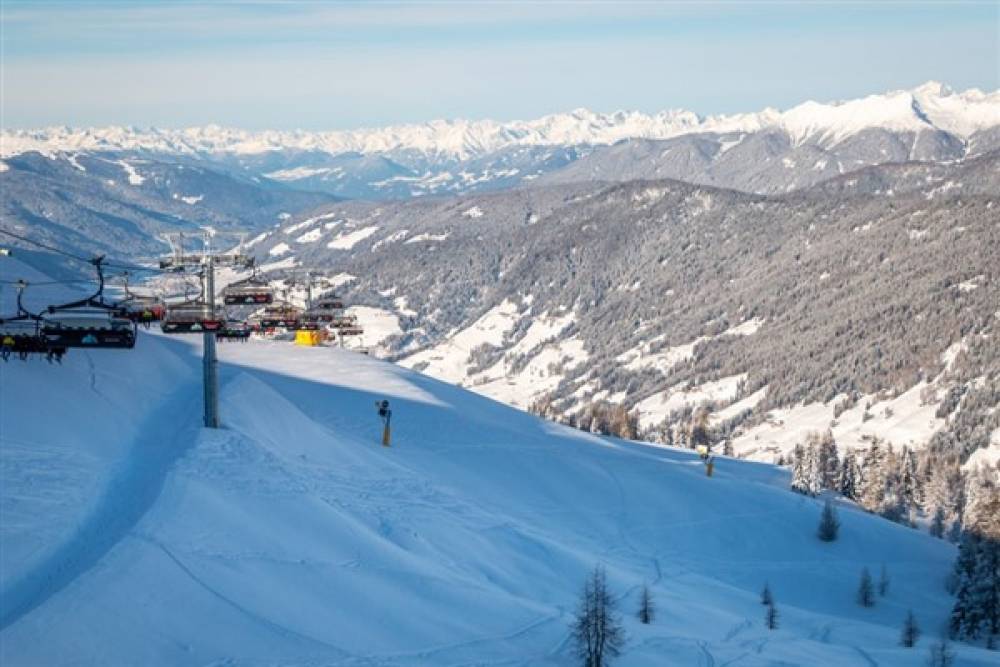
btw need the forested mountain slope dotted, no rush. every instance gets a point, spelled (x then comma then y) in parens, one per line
(663, 295)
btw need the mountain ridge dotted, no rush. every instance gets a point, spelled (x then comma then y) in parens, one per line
(930, 106)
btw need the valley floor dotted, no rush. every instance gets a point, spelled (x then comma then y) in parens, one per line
(290, 537)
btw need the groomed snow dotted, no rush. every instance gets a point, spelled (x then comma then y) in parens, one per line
(348, 240)
(280, 249)
(449, 360)
(311, 236)
(903, 420)
(423, 238)
(540, 375)
(291, 537)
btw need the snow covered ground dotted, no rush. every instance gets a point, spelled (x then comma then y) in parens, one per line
(290, 537)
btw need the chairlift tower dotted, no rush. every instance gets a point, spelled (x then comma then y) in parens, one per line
(207, 261)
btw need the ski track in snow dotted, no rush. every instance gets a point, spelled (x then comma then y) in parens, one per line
(867, 658)
(126, 498)
(256, 618)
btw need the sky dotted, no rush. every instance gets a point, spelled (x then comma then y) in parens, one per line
(338, 65)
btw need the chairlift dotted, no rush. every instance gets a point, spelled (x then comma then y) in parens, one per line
(280, 314)
(141, 308)
(22, 334)
(234, 330)
(90, 322)
(249, 291)
(324, 311)
(343, 321)
(193, 316)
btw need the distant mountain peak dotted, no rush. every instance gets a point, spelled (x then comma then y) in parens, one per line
(930, 106)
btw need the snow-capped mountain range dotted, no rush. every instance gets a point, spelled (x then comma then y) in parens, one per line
(931, 106)
(768, 152)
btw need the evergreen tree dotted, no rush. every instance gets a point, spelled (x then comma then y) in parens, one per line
(771, 617)
(799, 471)
(829, 461)
(847, 484)
(883, 581)
(976, 582)
(829, 525)
(911, 631)
(873, 478)
(937, 524)
(964, 614)
(765, 595)
(984, 592)
(955, 532)
(814, 468)
(944, 490)
(597, 631)
(866, 591)
(647, 611)
(908, 479)
(981, 510)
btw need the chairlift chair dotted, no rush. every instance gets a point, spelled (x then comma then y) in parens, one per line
(324, 311)
(93, 328)
(140, 307)
(250, 291)
(193, 316)
(21, 334)
(90, 322)
(344, 321)
(280, 314)
(234, 330)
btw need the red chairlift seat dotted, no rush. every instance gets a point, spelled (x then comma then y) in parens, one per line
(192, 317)
(234, 330)
(251, 291)
(344, 321)
(280, 315)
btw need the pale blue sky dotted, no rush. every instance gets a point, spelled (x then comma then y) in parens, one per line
(325, 65)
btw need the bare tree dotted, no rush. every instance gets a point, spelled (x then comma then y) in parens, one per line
(598, 633)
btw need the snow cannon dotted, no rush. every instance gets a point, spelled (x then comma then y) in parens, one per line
(385, 414)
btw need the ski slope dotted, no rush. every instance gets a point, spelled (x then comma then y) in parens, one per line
(132, 536)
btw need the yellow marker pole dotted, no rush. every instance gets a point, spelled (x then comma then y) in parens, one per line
(385, 435)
